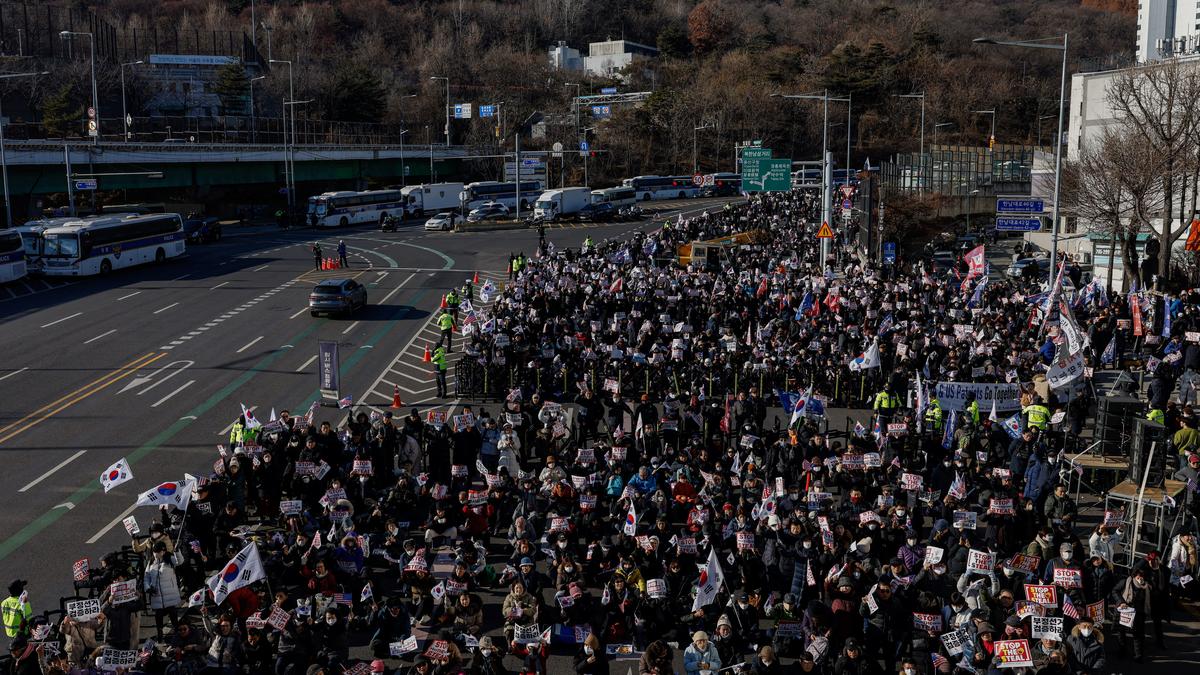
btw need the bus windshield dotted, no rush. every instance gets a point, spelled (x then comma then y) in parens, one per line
(60, 245)
(322, 207)
(10, 242)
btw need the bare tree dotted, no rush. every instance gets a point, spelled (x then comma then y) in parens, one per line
(1156, 103)
(1115, 186)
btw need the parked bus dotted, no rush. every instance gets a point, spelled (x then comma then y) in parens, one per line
(619, 197)
(140, 208)
(12, 256)
(101, 244)
(31, 236)
(662, 187)
(339, 209)
(475, 195)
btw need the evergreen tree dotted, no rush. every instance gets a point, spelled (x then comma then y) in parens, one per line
(62, 114)
(357, 95)
(233, 88)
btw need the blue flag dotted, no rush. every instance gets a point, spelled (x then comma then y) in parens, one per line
(1110, 352)
(1166, 330)
(788, 400)
(948, 434)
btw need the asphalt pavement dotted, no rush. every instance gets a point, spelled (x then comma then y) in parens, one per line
(152, 364)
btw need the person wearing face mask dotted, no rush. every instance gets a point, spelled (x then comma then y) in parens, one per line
(487, 659)
(1103, 543)
(1135, 593)
(161, 586)
(390, 624)
(1085, 646)
(911, 553)
(591, 659)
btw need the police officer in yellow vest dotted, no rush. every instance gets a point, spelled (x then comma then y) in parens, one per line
(16, 611)
(452, 302)
(237, 434)
(446, 324)
(439, 367)
(933, 414)
(972, 409)
(1037, 415)
(587, 244)
(885, 405)
(1157, 415)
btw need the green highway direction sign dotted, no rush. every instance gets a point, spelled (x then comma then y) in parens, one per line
(751, 169)
(776, 174)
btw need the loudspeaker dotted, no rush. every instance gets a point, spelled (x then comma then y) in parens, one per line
(1148, 435)
(1115, 417)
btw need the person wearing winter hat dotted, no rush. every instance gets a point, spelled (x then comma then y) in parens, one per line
(701, 657)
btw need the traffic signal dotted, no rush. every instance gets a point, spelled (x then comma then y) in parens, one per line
(592, 154)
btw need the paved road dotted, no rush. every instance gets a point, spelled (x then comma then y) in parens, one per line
(150, 364)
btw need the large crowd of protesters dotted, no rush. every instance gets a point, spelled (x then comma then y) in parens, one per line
(661, 481)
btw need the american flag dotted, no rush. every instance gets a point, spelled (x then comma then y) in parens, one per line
(1069, 608)
(346, 401)
(939, 661)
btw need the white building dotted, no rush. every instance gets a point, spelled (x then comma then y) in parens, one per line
(606, 59)
(1167, 28)
(563, 57)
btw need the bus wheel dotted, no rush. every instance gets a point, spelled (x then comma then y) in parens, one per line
(105, 267)
(343, 222)
(682, 196)
(160, 256)
(646, 197)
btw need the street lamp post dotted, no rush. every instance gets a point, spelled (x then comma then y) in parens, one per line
(403, 166)
(1045, 43)
(8, 221)
(695, 132)
(939, 125)
(67, 35)
(992, 137)
(827, 174)
(575, 103)
(1039, 128)
(439, 77)
(124, 113)
(921, 133)
(289, 147)
(253, 119)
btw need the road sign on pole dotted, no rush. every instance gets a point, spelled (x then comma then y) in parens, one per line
(889, 253)
(1018, 224)
(776, 174)
(847, 205)
(583, 146)
(698, 179)
(1020, 205)
(847, 191)
(85, 184)
(752, 168)
(825, 232)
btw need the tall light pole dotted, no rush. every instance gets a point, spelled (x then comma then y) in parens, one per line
(1045, 43)
(439, 77)
(267, 28)
(124, 113)
(921, 133)
(289, 158)
(939, 125)
(695, 132)
(992, 137)
(253, 121)
(8, 221)
(67, 35)
(827, 174)
(403, 166)
(1039, 128)
(848, 109)
(575, 103)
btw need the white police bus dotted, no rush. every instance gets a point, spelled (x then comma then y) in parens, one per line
(477, 194)
(101, 244)
(31, 236)
(662, 187)
(617, 196)
(12, 256)
(339, 209)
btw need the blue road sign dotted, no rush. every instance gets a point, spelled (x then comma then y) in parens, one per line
(1011, 224)
(1020, 205)
(608, 90)
(583, 146)
(85, 183)
(487, 111)
(601, 111)
(847, 204)
(889, 252)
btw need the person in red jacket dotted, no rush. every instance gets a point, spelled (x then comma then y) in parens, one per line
(320, 579)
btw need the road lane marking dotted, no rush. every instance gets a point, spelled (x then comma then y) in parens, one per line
(62, 319)
(104, 530)
(250, 344)
(15, 372)
(397, 289)
(86, 342)
(218, 285)
(168, 396)
(126, 297)
(259, 269)
(139, 381)
(350, 328)
(160, 311)
(307, 363)
(181, 278)
(298, 313)
(62, 403)
(49, 473)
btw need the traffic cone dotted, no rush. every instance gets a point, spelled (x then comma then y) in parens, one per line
(324, 263)
(426, 358)
(475, 279)
(396, 402)
(443, 305)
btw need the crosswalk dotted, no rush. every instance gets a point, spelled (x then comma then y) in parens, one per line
(31, 286)
(409, 374)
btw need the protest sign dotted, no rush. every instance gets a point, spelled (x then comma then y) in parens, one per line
(1043, 594)
(1068, 578)
(980, 561)
(953, 641)
(933, 555)
(81, 569)
(929, 622)
(911, 481)
(1025, 563)
(121, 592)
(1001, 507)
(1028, 608)
(1048, 627)
(1125, 616)
(1013, 654)
(115, 659)
(965, 520)
(83, 610)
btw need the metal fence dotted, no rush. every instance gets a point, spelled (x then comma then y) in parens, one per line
(962, 170)
(225, 129)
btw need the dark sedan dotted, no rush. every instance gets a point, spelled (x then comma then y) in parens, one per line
(337, 296)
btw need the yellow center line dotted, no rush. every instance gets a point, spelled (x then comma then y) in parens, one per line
(62, 403)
